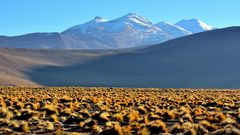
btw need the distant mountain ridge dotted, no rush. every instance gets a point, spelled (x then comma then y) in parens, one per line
(128, 31)
(204, 60)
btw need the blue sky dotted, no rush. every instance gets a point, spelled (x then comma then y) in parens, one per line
(26, 16)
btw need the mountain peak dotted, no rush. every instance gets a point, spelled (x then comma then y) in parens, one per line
(134, 18)
(194, 25)
(98, 19)
(131, 14)
(196, 19)
(164, 23)
(192, 19)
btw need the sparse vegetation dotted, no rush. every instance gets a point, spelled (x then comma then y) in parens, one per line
(72, 110)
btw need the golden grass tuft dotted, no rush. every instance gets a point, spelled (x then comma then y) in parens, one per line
(49, 109)
(54, 118)
(24, 127)
(142, 109)
(176, 128)
(157, 126)
(133, 116)
(143, 131)
(113, 128)
(118, 117)
(104, 116)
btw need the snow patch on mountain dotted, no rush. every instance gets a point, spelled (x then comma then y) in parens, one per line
(194, 25)
(173, 30)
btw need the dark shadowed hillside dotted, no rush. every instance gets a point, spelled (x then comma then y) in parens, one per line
(14, 63)
(208, 59)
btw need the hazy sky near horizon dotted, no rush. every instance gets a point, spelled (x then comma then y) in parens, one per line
(27, 16)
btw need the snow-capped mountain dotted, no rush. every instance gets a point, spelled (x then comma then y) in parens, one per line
(87, 28)
(194, 25)
(128, 31)
(173, 30)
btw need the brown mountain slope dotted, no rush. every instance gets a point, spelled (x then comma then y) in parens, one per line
(15, 62)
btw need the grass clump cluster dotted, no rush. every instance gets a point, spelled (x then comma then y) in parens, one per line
(120, 111)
